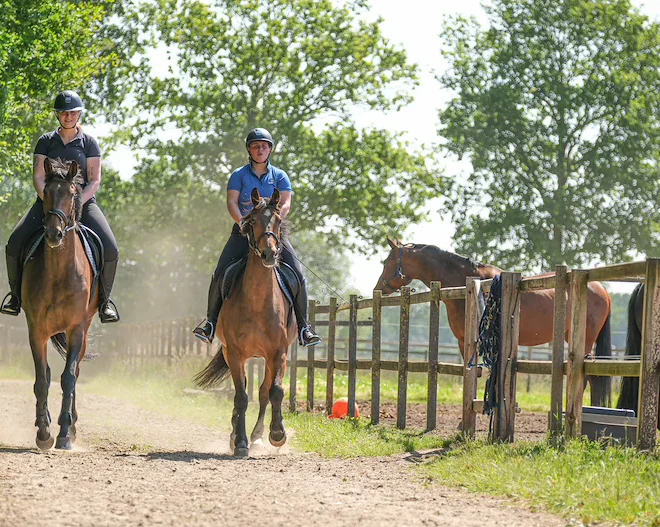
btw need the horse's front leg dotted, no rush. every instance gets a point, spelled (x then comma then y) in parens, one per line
(264, 394)
(239, 432)
(75, 341)
(42, 382)
(277, 436)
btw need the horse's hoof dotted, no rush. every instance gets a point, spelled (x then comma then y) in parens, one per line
(241, 452)
(277, 438)
(45, 444)
(63, 443)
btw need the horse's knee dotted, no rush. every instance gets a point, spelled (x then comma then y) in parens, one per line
(276, 394)
(241, 400)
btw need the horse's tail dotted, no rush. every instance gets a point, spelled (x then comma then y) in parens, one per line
(628, 396)
(216, 371)
(601, 387)
(59, 341)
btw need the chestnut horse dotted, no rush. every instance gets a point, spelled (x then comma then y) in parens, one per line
(429, 263)
(629, 394)
(255, 321)
(60, 298)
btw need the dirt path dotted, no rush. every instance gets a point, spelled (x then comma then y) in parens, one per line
(131, 467)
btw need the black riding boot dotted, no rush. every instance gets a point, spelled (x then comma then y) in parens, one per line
(307, 336)
(11, 305)
(107, 308)
(206, 328)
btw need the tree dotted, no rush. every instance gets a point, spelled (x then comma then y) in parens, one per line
(556, 106)
(36, 61)
(287, 66)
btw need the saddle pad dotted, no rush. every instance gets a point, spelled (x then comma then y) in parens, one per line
(286, 278)
(90, 241)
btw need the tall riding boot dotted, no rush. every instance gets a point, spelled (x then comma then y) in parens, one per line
(307, 336)
(206, 329)
(11, 305)
(107, 308)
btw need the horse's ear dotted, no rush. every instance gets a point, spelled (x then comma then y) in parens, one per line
(256, 197)
(274, 199)
(73, 171)
(48, 166)
(392, 243)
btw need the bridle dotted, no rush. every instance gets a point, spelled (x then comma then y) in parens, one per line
(398, 273)
(254, 243)
(67, 224)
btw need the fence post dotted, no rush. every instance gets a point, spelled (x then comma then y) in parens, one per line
(650, 361)
(434, 344)
(576, 344)
(505, 412)
(330, 364)
(559, 332)
(293, 374)
(311, 309)
(404, 337)
(352, 355)
(375, 356)
(472, 292)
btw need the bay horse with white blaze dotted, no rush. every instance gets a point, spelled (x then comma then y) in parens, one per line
(429, 263)
(255, 321)
(60, 298)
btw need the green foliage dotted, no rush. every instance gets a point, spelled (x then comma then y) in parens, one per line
(556, 106)
(581, 480)
(287, 66)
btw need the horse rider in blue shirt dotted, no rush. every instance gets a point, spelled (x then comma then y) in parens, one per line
(260, 174)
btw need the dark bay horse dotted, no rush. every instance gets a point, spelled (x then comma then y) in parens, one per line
(59, 299)
(629, 394)
(255, 321)
(429, 263)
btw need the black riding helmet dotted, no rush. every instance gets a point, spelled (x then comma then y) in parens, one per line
(259, 134)
(68, 101)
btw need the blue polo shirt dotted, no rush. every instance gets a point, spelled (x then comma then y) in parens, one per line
(245, 181)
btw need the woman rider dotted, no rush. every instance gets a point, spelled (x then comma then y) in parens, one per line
(68, 142)
(260, 174)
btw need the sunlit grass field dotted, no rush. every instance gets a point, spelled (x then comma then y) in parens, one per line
(581, 481)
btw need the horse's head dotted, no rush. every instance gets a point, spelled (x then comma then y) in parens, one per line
(263, 227)
(393, 276)
(62, 199)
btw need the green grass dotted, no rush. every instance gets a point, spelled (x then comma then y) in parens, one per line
(580, 480)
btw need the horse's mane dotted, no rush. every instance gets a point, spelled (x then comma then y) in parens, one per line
(285, 225)
(437, 253)
(60, 170)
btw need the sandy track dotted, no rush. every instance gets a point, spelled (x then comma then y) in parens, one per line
(131, 467)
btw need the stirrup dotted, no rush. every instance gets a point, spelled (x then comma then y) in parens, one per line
(110, 318)
(6, 306)
(203, 335)
(313, 340)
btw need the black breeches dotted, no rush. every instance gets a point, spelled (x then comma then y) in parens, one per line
(92, 217)
(235, 248)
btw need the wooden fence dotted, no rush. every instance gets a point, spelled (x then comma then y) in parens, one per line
(567, 283)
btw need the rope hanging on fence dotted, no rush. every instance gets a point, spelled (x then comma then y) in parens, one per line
(489, 344)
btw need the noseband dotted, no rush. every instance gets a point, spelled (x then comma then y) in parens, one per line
(399, 270)
(254, 245)
(66, 224)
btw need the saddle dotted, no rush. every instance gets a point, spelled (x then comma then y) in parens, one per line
(90, 241)
(286, 278)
